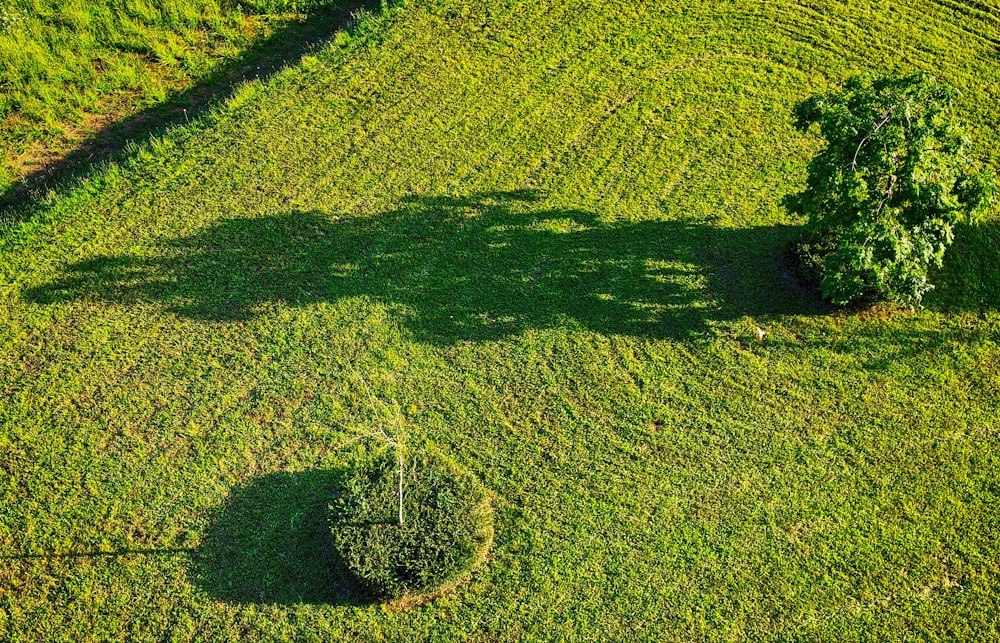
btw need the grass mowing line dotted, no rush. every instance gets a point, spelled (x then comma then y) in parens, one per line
(519, 118)
(358, 134)
(710, 505)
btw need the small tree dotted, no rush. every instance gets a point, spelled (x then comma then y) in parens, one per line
(883, 197)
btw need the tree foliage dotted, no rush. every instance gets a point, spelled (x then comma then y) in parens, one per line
(884, 195)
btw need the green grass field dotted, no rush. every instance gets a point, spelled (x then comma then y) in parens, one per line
(72, 72)
(549, 231)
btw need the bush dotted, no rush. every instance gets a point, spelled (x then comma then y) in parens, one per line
(884, 195)
(446, 531)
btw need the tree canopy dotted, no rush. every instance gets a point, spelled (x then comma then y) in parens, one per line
(882, 198)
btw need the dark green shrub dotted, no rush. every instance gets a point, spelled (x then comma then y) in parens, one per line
(884, 195)
(446, 531)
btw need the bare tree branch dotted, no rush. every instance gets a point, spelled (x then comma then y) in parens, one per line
(885, 119)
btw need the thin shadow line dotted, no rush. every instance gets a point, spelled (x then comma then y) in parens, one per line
(103, 554)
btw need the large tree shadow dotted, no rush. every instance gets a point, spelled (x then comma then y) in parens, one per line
(478, 267)
(284, 47)
(270, 543)
(970, 277)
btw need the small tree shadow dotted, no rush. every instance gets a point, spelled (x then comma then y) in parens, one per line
(270, 543)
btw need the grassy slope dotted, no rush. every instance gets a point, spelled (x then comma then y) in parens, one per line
(548, 230)
(70, 67)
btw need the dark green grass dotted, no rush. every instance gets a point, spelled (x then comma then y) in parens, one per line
(549, 231)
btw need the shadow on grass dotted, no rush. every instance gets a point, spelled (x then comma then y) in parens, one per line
(893, 338)
(479, 267)
(270, 543)
(970, 277)
(283, 48)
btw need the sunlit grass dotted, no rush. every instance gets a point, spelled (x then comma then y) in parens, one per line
(70, 67)
(550, 232)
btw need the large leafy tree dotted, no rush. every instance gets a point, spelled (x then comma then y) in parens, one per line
(884, 195)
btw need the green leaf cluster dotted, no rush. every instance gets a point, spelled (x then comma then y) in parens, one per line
(884, 195)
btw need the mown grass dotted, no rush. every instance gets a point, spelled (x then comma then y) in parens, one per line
(71, 68)
(549, 231)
